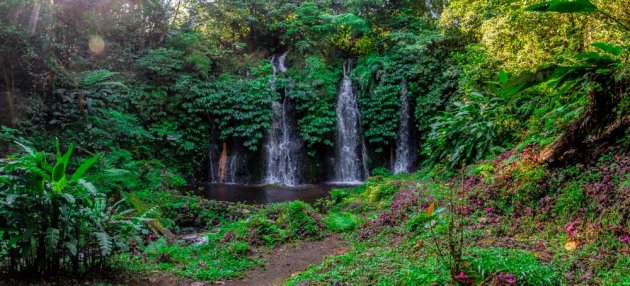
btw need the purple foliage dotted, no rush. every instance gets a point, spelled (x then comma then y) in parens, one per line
(462, 279)
(504, 279)
(402, 203)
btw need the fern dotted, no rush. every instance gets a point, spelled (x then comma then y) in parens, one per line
(105, 243)
(91, 78)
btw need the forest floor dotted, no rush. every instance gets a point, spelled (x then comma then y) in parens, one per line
(283, 262)
(288, 260)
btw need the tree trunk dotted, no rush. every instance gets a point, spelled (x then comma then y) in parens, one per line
(9, 92)
(223, 163)
(573, 143)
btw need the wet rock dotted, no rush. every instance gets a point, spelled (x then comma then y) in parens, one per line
(197, 239)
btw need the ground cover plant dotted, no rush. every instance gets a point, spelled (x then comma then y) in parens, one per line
(469, 142)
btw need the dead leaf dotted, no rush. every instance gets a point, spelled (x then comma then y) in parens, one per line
(430, 209)
(571, 245)
(342, 251)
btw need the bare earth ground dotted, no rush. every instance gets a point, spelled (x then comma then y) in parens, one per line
(282, 263)
(287, 260)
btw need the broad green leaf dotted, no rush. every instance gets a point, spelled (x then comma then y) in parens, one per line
(52, 238)
(609, 48)
(66, 157)
(78, 174)
(71, 247)
(4, 180)
(68, 197)
(503, 77)
(564, 6)
(59, 172)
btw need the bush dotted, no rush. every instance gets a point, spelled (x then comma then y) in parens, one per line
(300, 220)
(51, 222)
(469, 131)
(382, 191)
(341, 222)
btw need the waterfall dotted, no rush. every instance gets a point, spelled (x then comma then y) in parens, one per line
(404, 146)
(435, 13)
(282, 144)
(230, 168)
(351, 155)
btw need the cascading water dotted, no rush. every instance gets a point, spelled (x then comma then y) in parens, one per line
(351, 155)
(230, 169)
(431, 7)
(404, 146)
(282, 143)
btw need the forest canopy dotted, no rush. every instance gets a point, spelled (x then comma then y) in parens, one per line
(120, 98)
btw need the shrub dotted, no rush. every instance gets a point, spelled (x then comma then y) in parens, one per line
(470, 130)
(341, 222)
(263, 230)
(51, 222)
(383, 191)
(300, 220)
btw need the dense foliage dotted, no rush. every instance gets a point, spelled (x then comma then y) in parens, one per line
(52, 221)
(529, 99)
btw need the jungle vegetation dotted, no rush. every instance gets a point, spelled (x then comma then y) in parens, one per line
(110, 110)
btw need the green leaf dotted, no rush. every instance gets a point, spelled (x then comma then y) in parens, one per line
(66, 157)
(59, 172)
(26, 149)
(503, 77)
(104, 243)
(564, 6)
(78, 174)
(71, 247)
(88, 186)
(69, 198)
(52, 238)
(540, 7)
(609, 48)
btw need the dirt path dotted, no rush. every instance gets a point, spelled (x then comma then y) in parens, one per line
(282, 262)
(286, 260)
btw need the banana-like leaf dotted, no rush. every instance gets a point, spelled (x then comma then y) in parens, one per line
(66, 157)
(609, 48)
(564, 6)
(59, 172)
(78, 174)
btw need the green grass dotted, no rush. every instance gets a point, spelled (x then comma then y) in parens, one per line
(527, 269)
(341, 222)
(209, 262)
(375, 265)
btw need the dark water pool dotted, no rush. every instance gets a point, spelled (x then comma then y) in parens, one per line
(260, 194)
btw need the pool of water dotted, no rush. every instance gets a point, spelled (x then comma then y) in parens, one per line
(266, 194)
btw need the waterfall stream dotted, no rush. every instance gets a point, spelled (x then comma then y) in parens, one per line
(351, 154)
(282, 144)
(404, 146)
